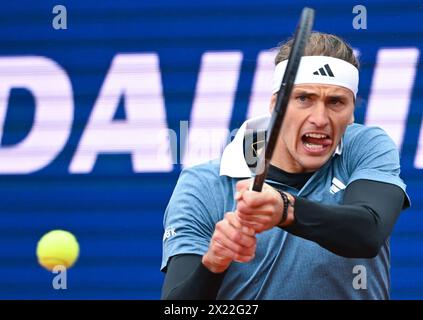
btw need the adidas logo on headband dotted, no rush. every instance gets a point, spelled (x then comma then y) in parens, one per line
(322, 72)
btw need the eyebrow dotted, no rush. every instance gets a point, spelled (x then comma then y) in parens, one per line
(338, 96)
(305, 93)
(314, 94)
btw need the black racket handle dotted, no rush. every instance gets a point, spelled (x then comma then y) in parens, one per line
(301, 36)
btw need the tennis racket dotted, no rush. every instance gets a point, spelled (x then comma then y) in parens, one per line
(301, 36)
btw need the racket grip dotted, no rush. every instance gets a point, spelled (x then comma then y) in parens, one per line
(258, 182)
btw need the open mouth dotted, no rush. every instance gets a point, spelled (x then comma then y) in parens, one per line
(315, 142)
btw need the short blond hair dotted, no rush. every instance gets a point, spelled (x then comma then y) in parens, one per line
(321, 44)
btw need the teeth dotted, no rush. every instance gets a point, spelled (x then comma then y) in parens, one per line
(313, 146)
(316, 135)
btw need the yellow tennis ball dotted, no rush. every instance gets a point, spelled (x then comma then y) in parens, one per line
(57, 247)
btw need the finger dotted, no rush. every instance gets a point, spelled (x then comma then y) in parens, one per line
(236, 223)
(256, 219)
(249, 224)
(247, 217)
(233, 238)
(220, 255)
(243, 208)
(243, 259)
(253, 199)
(256, 199)
(239, 241)
(234, 248)
(243, 185)
(258, 223)
(232, 219)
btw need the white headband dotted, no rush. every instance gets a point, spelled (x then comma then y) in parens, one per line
(320, 69)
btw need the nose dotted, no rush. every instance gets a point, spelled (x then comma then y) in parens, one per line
(319, 116)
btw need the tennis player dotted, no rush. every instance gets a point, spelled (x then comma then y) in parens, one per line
(320, 227)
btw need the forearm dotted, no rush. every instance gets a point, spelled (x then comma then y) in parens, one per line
(355, 229)
(346, 230)
(191, 276)
(188, 279)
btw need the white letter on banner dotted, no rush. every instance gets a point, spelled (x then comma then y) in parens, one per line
(144, 133)
(391, 89)
(261, 92)
(212, 106)
(52, 91)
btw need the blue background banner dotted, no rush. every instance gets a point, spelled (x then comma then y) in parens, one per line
(115, 208)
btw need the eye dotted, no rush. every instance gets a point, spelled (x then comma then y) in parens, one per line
(302, 98)
(336, 101)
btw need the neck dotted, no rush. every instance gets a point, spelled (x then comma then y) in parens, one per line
(279, 162)
(281, 158)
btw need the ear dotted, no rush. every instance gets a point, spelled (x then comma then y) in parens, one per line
(272, 102)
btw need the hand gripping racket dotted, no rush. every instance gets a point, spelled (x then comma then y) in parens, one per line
(300, 40)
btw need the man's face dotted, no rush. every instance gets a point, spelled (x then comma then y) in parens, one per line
(314, 123)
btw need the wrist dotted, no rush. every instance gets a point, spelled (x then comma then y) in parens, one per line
(287, 214)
